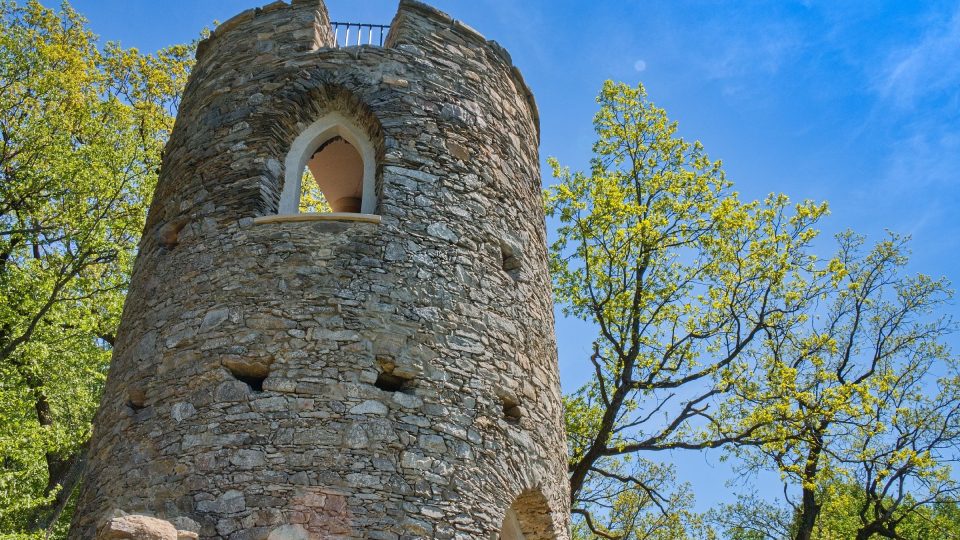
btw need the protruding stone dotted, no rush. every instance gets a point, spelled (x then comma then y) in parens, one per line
(168, 235)
(246, 366)
(136, 397)
(137, 527)
(516, 412)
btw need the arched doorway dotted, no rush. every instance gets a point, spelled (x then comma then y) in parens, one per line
(510, 530)
(528, 518)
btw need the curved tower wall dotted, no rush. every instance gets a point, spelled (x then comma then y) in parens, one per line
(411, 386)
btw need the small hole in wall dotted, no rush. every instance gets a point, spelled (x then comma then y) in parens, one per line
(512, 410)
(389, 380)
(136, 399)
(392, 383)
(510, 260)
(136, 407)
(169, 234)
(250, 373)
(255, 383)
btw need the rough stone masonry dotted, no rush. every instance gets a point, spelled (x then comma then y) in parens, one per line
(389, 375)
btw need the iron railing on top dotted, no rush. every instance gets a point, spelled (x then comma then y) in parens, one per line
(347, 34)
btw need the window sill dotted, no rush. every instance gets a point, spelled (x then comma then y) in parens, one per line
(317, 216)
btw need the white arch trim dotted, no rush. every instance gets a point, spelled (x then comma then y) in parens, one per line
(306, 143)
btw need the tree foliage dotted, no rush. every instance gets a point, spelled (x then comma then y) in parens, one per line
(311, 198)
(752, 518)
(718, 326)
(681, 279)
(81, 132)
(616, 505)
(864, 394)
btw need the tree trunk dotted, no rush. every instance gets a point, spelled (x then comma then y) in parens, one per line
(809, 511)
(877, 528)
(63, 472)
(67, 482)
(809, 506)
(579, 471)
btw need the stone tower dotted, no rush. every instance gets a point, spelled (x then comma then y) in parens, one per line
(386, 371)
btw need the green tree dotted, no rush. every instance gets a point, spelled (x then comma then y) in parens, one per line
(682, 280)
(81, 133)
(311, 198)
(717, 327)
(864, 394)
(751, 518)
(629, 512)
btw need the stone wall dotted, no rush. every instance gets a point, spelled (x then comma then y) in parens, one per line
(340, 379)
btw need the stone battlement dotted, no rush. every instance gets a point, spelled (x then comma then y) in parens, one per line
(314, 32)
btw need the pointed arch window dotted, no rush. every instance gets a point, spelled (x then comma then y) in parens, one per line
(339, 159)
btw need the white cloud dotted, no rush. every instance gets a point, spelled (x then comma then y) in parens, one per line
(918, 86)
(916, 190)
(925, 160)
(929, 66)
(732, 54)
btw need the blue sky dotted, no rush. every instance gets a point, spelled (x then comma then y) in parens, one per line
(856, 103)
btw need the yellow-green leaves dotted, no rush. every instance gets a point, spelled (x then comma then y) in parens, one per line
(856, 393)
(717, 326)
(680, 277)
(81, 132)
(311, 198)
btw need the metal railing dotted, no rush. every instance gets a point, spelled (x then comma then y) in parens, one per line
(351, 34)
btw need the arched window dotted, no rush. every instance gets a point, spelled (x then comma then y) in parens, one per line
(341, 161)
(528, 518)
